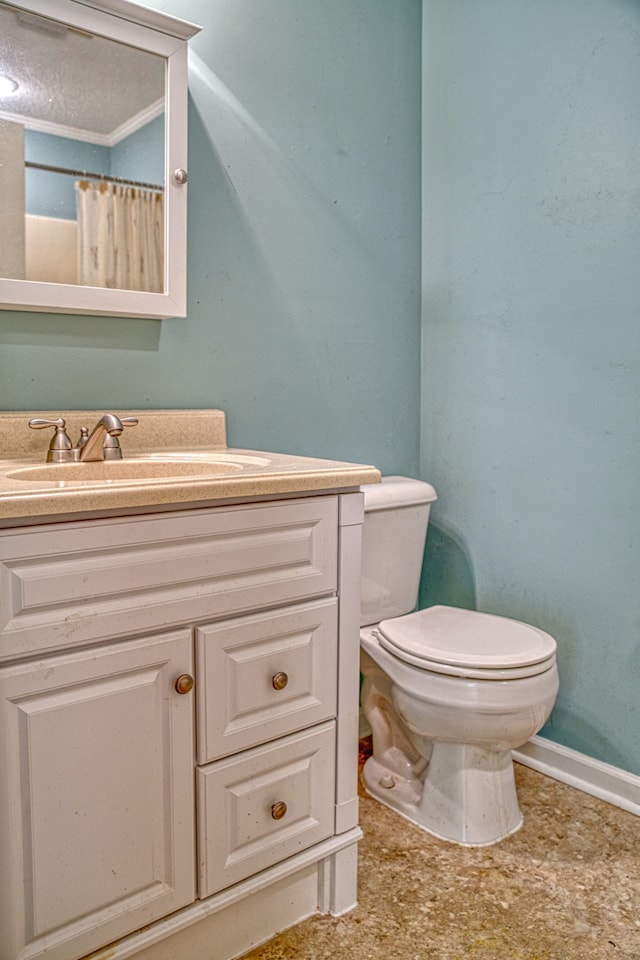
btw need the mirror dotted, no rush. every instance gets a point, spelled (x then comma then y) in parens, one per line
(92, 158)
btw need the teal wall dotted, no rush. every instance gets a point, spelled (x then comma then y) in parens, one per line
(304, 300)
(531, 337)
(304, 243)
(51, 194)
(140, 156)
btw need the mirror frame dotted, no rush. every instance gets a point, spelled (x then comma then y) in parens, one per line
(166, 36)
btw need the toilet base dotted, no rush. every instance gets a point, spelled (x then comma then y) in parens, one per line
(467, 794)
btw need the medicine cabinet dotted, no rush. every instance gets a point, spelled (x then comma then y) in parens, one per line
(93, 158)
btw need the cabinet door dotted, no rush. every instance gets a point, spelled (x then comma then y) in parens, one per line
(96, 795)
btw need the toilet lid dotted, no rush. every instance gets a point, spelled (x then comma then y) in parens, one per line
(467, 643)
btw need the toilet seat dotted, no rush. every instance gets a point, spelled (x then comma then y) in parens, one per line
(465, 643)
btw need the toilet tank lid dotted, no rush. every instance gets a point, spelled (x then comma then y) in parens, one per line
(394, 492)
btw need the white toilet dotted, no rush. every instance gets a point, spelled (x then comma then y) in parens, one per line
(448, 693)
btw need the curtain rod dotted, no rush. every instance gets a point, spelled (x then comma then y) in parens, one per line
(92, 176)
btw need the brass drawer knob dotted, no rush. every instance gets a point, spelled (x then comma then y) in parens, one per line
(278, 810)
(279, 680)
(184, 683)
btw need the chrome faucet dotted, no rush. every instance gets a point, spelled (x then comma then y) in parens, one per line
(101, 444)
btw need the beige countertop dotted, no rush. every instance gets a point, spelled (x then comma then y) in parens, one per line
(189, 443)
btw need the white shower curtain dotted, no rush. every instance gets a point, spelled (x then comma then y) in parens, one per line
(120, 236)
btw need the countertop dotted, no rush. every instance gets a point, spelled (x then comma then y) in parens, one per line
(195, 437)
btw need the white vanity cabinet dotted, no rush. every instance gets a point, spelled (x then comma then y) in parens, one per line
(140, 817)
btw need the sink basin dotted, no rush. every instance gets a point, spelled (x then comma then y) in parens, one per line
(139, 468)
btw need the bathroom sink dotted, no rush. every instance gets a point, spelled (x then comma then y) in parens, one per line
(235, 457)
(145, 468)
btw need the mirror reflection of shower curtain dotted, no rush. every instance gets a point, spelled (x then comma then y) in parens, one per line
(120, 236)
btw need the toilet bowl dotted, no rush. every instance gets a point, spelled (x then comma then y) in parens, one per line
(448, 693)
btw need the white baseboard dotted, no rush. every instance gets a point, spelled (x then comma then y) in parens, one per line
(599, 779)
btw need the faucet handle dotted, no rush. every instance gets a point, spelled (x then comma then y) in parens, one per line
(37, 423)
(60, 446)
(111, 446)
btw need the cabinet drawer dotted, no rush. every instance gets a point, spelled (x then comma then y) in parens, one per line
(265, 675)
(264, 805)
(70, 583)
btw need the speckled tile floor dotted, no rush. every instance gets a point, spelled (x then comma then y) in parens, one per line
(565, 887)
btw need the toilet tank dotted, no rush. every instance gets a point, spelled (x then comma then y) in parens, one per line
(393, 537)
